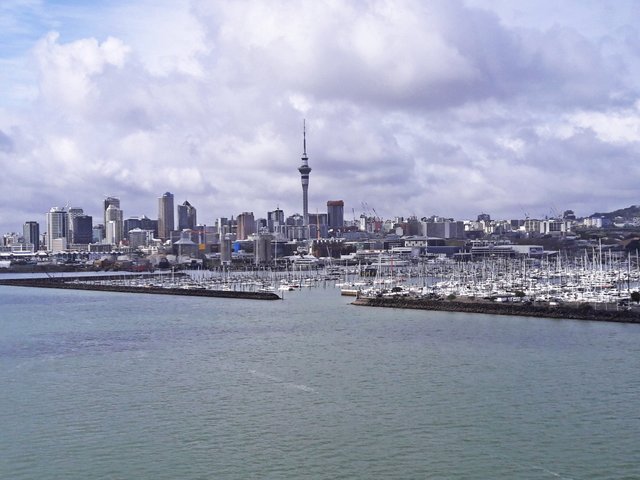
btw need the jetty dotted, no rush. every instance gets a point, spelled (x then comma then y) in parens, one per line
(135, 284)
(526, 309)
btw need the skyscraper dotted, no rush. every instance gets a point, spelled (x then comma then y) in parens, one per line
(304, 170)
(186, 216)
(335, 212)
(246, 225)
(165, 216)
(56, 227)
(109, 201)
(72, 213)
(113, 225)
(31, 234)
(82, 229)
(275, 221)
(129, 224)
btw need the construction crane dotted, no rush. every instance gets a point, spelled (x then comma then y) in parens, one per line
(369, 211)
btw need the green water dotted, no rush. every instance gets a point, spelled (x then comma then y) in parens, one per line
(119, 386)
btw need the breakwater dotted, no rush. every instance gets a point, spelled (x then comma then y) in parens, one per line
(576, 312)
(78, 283)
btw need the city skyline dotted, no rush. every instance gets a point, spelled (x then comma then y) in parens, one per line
(445, 108)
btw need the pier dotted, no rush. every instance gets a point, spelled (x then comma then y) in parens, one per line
(105, 284)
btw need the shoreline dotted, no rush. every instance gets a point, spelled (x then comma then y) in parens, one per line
(579, 312)
(67, 283)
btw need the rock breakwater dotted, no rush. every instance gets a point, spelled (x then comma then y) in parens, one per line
(577, 312)
(76, 283)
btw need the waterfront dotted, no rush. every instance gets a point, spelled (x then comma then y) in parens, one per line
(109, 385)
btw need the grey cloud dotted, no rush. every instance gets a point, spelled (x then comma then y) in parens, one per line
(413, 107)
(6, 144)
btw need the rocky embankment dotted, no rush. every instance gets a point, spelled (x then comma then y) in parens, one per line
(71, 283)
(577, 312)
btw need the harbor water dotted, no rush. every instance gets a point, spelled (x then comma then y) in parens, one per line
(107, 385)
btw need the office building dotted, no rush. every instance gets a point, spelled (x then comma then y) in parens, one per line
(31, 234)
(275, 221)
(318, 225)
(296, 230)
(72, 213)
(130, 224)
(165, 216)
(246, 225)
(335, 214)
(98, 233)
(82, 229)
(108, 202)
(223, 226)
(56, 228)
(113, 225)
(140, 238)
(186, 216)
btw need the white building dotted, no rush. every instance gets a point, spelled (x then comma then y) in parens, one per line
(56, 226)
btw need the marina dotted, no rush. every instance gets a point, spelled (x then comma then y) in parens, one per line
(584, 287)
(595, 280)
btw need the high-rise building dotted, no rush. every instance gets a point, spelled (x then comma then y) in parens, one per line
(109, 201)
(335, 212)
(139, 237)
(72, 213)
(114, 225)
(82, 229)
(165, 216)
(246, 225)
(148, 224)
(318, 225)
(275, 221)
(130, 224)
(186, 216)
(56, 226)
(98, 233)
(305, 170)
(224, 226)
(31, 234)
(143, 223)
(295, 227)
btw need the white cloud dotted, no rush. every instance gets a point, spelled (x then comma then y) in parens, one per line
(66, 70)
(617, 126)
(412, 107)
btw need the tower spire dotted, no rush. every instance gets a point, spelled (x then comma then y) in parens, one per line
(304, 140)
(304, 170)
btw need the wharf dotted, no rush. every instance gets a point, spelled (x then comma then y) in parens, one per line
(564, 311)
(76, 283)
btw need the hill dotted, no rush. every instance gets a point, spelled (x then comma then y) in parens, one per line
(629, 212)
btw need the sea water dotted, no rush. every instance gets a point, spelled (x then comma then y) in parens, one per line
(99, 385)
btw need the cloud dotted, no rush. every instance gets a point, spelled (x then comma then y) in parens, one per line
(6, 144)
(445, 107)
(67, 70)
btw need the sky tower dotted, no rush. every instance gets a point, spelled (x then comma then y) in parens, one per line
(304, 170)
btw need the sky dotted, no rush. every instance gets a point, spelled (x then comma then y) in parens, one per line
(449, 108)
